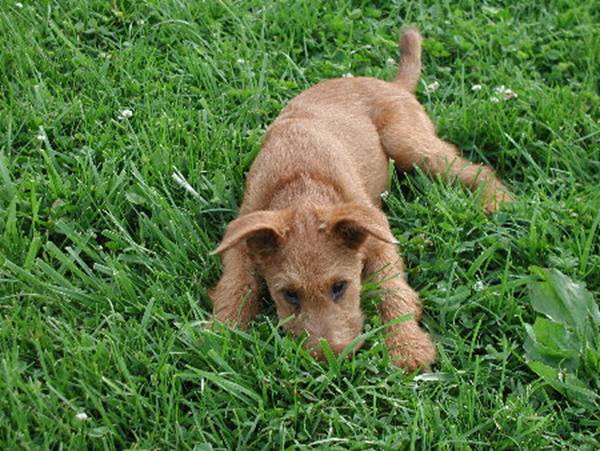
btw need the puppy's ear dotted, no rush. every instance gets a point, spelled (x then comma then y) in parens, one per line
(353, 223)
(263, 231)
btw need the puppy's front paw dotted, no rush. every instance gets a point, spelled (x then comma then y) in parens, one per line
(493, 201)
(412, 351)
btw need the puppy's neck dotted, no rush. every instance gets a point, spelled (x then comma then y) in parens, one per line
(305, 189)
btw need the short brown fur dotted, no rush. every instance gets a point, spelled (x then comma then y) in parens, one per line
(310, 220)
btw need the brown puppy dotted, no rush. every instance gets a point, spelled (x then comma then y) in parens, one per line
(310, 223)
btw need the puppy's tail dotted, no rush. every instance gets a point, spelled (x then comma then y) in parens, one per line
(409, 69)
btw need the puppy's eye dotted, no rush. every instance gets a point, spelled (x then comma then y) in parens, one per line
(291, 296)
(338, 289)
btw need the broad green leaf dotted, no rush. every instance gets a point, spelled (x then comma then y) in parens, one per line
(563, 345)
(555, 357)
(564, 301)
(554, 335)
(565, 383)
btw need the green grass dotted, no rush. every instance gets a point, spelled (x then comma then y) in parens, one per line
(104, 258)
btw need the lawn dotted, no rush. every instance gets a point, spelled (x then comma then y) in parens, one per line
(126, 129)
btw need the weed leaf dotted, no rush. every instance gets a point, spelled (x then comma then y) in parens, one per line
(564, 301)
(560, 348)
(563, 382)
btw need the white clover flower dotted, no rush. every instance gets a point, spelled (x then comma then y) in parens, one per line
(347, 75)
(240, 61)
(494, 99)
(509, 94)
(390, 62)
(125, 114)
(41, 136)
(81, 416)
(476, 88)
(141, 22)
(19, 5)
(505, 93)
(432, 87)
(478, 286)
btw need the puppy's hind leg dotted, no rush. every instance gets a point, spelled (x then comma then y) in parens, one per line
(408, 137)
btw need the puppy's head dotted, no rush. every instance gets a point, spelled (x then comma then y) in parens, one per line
(312, 259)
